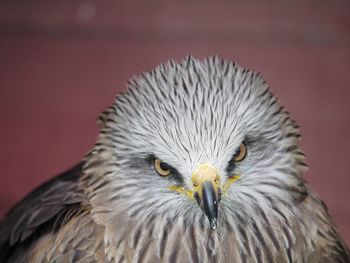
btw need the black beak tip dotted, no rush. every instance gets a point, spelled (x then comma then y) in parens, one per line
(213, 223)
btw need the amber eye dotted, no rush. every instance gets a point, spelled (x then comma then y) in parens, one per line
(241, 153)
(162, 168)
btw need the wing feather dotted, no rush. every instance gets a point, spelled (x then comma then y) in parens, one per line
(41, 210)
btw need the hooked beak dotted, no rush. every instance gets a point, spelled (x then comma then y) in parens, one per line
(206, 182)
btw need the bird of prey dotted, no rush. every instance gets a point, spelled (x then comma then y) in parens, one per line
(196, 162)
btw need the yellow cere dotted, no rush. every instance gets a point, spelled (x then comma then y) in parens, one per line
(205, 172)
(190, 194)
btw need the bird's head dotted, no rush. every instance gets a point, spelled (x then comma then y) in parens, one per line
(196, 141)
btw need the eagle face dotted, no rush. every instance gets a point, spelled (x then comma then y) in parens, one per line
(203, 142)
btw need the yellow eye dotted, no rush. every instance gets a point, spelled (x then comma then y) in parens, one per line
(162, 168)
(241, 153)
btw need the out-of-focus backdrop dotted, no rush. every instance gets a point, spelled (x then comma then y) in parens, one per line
(62, 63)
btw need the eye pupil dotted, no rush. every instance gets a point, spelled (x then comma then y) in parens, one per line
(164, 166)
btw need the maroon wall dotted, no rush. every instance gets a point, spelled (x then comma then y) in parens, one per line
(62, 62)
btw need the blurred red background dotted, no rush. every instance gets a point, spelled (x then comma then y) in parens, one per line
(62, 63)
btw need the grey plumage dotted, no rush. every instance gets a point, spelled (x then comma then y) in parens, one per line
(115, 207)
